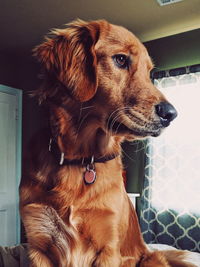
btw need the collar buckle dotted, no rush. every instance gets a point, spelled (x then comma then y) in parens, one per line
(62, 157)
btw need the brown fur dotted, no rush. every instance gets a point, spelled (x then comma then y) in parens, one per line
(93, 106)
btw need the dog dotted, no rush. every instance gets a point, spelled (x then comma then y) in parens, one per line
(73, 203)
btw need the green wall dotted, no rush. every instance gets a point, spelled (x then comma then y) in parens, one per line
(175, 51)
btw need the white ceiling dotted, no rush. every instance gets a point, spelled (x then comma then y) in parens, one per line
(24, 22)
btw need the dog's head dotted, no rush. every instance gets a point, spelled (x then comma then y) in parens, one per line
(103, 66)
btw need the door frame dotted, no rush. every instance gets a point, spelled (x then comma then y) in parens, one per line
(18, 93)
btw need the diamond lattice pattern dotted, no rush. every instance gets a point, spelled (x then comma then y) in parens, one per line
(171, 197)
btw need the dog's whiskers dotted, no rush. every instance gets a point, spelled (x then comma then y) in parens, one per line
(138, 115)
(83, 108)
(124, 152)
(86, 107)
(119, 113)
(114, 119)
(110, 132)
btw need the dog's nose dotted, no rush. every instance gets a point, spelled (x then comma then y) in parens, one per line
(166, 112)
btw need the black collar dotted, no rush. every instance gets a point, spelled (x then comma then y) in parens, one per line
(53, 147)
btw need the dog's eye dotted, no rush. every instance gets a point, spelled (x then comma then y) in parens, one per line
(122, 61)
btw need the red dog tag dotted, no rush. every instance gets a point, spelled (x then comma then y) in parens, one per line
(89, 176)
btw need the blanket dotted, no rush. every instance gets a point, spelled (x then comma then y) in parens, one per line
(17, 256)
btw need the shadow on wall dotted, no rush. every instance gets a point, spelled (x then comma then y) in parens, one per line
(20, 70)
(175, 51)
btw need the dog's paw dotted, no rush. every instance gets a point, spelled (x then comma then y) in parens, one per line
(154, 259)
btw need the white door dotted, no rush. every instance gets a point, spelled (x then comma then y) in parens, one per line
(9, 219)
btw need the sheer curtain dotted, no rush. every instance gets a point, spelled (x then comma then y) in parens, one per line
(170, 205)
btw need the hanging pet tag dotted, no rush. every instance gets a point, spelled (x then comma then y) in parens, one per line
(89, 175)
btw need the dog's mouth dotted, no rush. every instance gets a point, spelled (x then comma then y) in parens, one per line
(135, 127)
(120, 128)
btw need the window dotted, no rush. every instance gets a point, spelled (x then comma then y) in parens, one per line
(171, 196)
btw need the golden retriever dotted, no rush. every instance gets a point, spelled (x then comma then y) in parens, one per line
(98, 92)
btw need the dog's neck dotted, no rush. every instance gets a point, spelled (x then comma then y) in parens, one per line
(88, 144)
(81, 135)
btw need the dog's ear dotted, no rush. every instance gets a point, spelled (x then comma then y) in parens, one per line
(69, 54)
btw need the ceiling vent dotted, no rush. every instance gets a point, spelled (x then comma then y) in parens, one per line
(167, 2)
